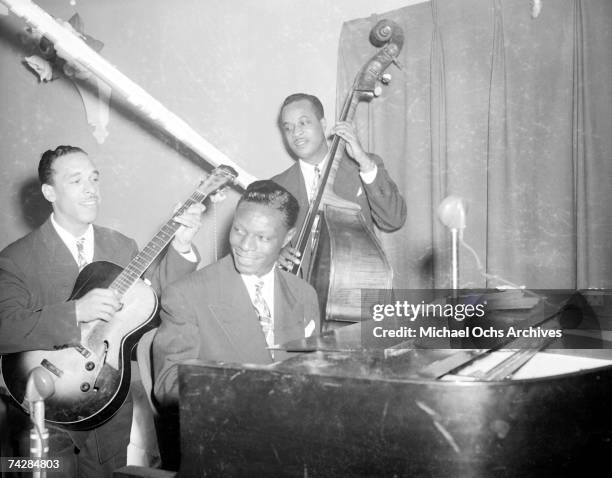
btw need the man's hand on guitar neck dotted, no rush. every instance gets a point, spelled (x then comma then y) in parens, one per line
(190, 221)
(97, 304)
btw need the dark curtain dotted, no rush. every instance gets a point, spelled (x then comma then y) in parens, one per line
(510, 112)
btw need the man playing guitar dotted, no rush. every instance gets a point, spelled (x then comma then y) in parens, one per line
(37, 273)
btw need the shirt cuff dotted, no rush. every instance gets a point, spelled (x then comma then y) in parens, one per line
(189, 256)
(370, 176)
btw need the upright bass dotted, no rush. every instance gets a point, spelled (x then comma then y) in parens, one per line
(341, 256)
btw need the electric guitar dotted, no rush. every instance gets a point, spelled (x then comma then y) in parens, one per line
(92, 379)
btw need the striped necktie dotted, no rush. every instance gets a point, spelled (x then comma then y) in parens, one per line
(81, 260)
(265, 317)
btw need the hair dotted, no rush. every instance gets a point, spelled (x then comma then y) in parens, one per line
(313, 100)
(268, 193)
(45, 166)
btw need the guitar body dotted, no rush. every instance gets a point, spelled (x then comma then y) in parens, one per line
(91, 380)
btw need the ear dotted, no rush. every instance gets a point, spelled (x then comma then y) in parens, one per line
(323, 122)
(48, 192)
(289, 236)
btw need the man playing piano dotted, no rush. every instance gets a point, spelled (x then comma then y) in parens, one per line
(238, 308)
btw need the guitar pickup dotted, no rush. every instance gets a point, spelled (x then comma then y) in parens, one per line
(52, 368)
(82, 350)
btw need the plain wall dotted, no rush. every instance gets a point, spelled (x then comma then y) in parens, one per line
(223, 66)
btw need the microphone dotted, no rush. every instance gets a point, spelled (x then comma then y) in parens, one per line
(452, 212)
(39, 387)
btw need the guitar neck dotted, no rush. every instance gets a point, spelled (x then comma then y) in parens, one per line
(154, 248)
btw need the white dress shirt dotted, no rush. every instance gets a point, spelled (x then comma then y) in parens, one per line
(70, 241)
(267, 290)
(308, 172)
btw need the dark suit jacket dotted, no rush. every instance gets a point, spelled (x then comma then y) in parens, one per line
(37, 274)
(208, 315)
(381, 203)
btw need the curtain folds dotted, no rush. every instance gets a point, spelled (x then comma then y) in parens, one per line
(510, 112)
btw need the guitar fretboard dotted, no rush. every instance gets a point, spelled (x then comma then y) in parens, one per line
(149, 253)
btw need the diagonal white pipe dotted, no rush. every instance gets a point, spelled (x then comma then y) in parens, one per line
(68, 45)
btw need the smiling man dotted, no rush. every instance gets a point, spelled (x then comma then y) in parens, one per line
(37, 274)
(361, 177)
(240, 307)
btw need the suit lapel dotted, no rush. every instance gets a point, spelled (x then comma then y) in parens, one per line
(238, 319)
(302, 191)
(350, 185)
(60, 261)
(347, 187)
(100, 252)
(302, 196)
(288, 312)
(104, 249)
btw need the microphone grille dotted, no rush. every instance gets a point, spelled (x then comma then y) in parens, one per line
(452, 212)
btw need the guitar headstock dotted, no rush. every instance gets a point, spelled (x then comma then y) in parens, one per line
(218, 178)
(390, 36)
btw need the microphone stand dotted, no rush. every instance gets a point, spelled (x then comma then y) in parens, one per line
(451, 213)
(39, 437)
(455, 261)
(39, 387)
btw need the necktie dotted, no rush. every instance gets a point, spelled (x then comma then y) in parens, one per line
(315, 182)
(81, 260)
(265, 317)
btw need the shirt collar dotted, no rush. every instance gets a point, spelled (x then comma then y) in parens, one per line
(250, 279)
(310, 167)
(70, 241)
(67, 236)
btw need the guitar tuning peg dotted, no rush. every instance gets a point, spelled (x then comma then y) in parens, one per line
(377, 91)
(218, 196)
(385, 78)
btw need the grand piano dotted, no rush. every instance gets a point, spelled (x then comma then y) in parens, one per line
(452, 409)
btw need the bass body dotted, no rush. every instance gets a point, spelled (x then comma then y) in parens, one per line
(350, 271)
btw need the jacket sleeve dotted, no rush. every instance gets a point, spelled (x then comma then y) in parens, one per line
(176, 340)
(386, 203)
(26, 325)
(171, 267)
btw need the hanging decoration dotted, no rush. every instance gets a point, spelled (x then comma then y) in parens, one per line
(148, 108)
(536, 8)
(49, 64)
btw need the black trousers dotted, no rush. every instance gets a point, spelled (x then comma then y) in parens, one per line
(83, 454)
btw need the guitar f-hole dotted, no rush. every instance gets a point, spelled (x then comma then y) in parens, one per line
(95, 386)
